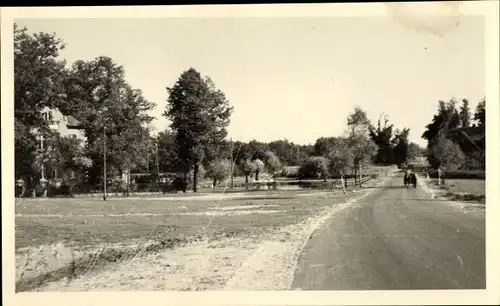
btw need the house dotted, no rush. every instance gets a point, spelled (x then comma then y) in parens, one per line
(469, 138)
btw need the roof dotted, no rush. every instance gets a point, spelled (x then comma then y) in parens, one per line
(475, 133)
(73, 123)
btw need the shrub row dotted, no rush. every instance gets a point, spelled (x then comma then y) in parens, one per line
(478, 174)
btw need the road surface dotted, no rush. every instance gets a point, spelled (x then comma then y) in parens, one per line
(396, 238)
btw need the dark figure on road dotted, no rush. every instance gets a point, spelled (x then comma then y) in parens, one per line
(413, 180)
(406, 179)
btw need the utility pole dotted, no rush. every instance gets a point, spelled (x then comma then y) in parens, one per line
(105, 175)
(232, 164)
(157, 162)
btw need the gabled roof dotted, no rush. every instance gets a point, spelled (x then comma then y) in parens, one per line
(474, 133)
(73, 124)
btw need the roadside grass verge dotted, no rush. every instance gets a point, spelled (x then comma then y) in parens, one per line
(466, 190)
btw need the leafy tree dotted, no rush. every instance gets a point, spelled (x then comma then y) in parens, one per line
(448, 154)
(219, 170)
(447, 118)
(272, 162)
(360, 144)
(401, 148)
(323, 145)
(340, 158)
(248, 167)
(480, 114)
(414, 150)
(258, 149)
(259, 168)
(315, 166)
(199, 114)
(168, 160)
(37, 85)
(465, 114)
(383, 136)
(108, 109)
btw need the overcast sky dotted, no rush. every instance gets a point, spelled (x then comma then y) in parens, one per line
(293, 78)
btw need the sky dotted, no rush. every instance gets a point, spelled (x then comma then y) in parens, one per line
(294, 78)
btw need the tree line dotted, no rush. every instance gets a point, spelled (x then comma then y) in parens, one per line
(113, 116)
(450, 146)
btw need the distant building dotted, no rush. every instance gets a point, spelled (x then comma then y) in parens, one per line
(65, 125)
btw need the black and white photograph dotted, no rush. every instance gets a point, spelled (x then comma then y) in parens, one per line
(242, 152)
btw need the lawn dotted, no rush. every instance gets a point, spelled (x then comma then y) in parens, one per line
(88, 222)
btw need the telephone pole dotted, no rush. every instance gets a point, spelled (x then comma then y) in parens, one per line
(104, 159)
(232, 163)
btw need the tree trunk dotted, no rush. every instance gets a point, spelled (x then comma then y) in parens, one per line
(256, 175)
(215, 183)
(195, 177)
(128, 180)
(344, 184)
(184, 185)
(246, 181)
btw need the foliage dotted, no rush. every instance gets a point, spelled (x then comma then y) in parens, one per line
(248, 167)
(37, 85)
(219, 170)
(480, 114)
(315, 166)
(340, 158)
(447, 154)
(465, 114)
(199, 114)
(383, 137)
(259, 168)
(359, 142)
(401, 147)
(446, 119)
(110, 110)
(414, 150)
(272, 162)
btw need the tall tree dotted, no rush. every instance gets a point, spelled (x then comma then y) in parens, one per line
(383, 136)
(199, 115)
(465, 114)
(446, 119)
(447, 154)
(480, 114)
(110, 110)
(401, 146)
(362, 146)
(38, 76)
(340, 158)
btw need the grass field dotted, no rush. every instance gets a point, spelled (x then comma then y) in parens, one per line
(88, 222)
(99, 233)
(473, 190)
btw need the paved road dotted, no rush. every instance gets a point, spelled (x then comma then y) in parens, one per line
(396, 238)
